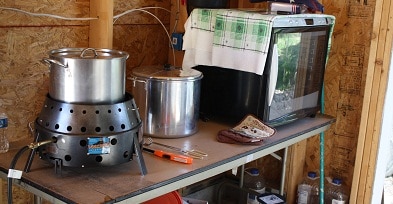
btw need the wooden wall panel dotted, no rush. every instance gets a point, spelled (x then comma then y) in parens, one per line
(24, 78)
(344, 83)
(177, 22)
(373, 104)
(27, 39)
(77, 9)
(139, 17)
(344, 88)
(144, 49)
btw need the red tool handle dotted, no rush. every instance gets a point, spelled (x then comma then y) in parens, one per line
(173, 157)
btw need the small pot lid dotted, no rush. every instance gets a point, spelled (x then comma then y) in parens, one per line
(87, 53)
(166, 72)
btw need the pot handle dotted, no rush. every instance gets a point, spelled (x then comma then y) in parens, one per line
(87, 49)
(52, 61)
(134, 80)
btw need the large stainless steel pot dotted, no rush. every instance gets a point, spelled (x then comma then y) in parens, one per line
(168, 100)
(87, 75)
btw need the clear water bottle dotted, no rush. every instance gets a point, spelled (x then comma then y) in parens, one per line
(335, 193)
(308, 189)
(255, 182)
(4, 144)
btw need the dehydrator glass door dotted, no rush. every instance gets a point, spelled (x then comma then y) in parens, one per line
(301, 57)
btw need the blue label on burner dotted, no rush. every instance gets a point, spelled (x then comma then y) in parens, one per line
(98, 145)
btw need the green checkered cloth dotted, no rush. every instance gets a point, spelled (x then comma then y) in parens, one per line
(229, 38)
(236, 29)
(245, 30)
(203, 19)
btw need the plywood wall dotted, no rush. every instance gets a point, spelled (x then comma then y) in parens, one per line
(26, 39)
(379, 67)
(344, 90)
(344, 82)
(344, 87)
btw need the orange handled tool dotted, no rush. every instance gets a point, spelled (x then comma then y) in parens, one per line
(170, 156)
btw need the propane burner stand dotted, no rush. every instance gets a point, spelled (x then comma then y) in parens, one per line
(88, 135)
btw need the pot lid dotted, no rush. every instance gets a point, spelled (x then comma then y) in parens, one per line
(87, 53)
(166, 72)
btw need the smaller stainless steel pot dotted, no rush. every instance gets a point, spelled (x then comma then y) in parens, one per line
(87, 75)
(168, 100)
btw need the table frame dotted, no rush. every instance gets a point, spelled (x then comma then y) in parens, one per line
(287, 135)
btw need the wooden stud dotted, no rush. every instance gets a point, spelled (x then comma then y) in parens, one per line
(295, 168)
(101, 30)
(374, 95)
(178, 18)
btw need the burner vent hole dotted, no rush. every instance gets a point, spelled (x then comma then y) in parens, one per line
(119, 110)
(69, 128)
(83, 129)
(114, 141)
(98, 129)
(67, 157)
(97, 112)
(126, 154)
(84, 111)
(83, 143)
(60, 109)
(111, 128)
(123, 126)
(71, 111)
(57, 126)
(109, 111)
(99, 159)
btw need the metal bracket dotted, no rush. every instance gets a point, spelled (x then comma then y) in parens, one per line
(31, 155)
(58, 166)
(138, 153)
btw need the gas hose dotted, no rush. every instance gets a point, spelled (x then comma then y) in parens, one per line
(33, 145)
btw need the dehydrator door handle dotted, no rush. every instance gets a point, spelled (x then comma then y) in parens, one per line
(273, 73)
